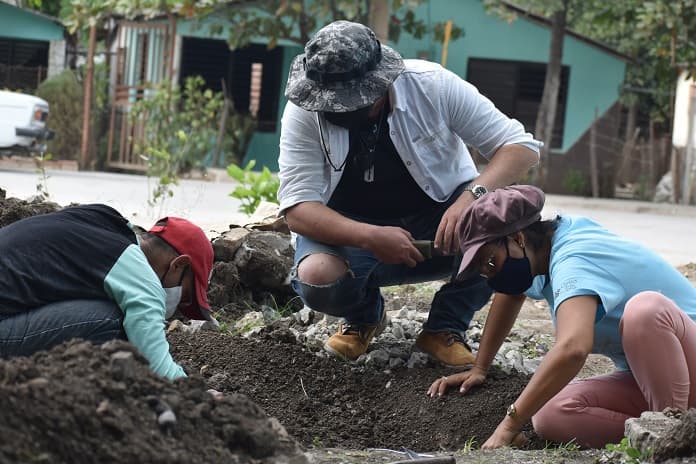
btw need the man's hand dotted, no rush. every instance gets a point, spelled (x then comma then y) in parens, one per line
(447, 236)
(393, 245)
(465, 380)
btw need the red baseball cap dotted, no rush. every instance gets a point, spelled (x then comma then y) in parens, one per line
(495, 215)
(189, 239)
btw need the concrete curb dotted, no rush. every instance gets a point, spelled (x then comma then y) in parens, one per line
(559, 202)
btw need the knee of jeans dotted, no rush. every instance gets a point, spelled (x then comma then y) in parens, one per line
(549, 420)
(321, 269)
(329, 299)
(641, 311)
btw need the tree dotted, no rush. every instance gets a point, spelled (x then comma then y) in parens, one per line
(546, 116)
(296, 21)
(560, 12)
(659, 35)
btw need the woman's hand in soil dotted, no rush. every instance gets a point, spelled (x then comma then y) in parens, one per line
(464, 379)
(504, 436)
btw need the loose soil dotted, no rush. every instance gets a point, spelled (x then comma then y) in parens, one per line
(80, 403)
(324, 402)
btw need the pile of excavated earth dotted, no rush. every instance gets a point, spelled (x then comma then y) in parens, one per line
(284, 400)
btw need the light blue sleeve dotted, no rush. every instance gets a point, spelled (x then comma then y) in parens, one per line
(136, 289)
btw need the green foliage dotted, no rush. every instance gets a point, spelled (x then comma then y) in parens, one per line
(80, 14)
(575, 182)
(179, 128)
(63, 93)
(255, 186)
(628, 454)
(239, 129)
(296, 21)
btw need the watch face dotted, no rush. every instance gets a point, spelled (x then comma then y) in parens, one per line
(479, 191)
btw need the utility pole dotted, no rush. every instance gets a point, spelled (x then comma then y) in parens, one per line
(689, 150)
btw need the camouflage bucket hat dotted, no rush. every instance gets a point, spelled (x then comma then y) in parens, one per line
(344, 68)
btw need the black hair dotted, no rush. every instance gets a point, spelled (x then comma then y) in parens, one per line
(540, 233)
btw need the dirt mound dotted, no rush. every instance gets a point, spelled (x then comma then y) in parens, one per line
(81, 403)
(14, 209)
(323, 402)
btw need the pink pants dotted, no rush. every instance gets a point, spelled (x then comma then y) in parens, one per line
(660, 345)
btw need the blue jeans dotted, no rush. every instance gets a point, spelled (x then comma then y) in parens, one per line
(42, 328)
(356, 296)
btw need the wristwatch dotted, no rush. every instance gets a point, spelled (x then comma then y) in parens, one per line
(512, 411)
(477, 190)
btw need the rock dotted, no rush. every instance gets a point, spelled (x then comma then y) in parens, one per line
(514, 360)
(304, 316)
(195, 326)
(265, 217)
(379, 358)
(396, 363)
(226, 245)
(264, 261)
(166, 418)
(175, 325)
(679, 440)
(269, 314)
(398, 332)
(123, 365)
(38, 382)
(417, 359)
(249, 322)
(643, 432)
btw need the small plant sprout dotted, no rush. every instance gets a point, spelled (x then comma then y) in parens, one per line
(42, 181)
(469, 445)
(254, 186)
(628, 454)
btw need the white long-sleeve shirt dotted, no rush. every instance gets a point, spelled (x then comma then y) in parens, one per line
(435, 114)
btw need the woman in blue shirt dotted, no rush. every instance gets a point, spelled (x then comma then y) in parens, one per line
(606, 295)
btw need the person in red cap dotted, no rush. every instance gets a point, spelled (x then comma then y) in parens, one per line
(83, 272)
(606, 295)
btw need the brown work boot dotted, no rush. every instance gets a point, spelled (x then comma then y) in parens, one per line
(351, 340)
(446, 347)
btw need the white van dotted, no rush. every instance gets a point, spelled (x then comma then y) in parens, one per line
(23, 123)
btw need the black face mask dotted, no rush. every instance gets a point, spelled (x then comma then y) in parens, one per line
(351, 119)
(515, 277)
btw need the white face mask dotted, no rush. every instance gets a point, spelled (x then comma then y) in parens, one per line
(172, 300)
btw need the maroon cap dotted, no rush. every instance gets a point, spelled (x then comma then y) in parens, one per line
(189, 239)
(495, 215)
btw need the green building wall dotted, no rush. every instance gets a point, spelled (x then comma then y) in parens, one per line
(595, 75)
(594, 82)
(19, 24)
(264, 145)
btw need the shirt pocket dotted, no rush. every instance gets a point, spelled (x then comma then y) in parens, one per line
(439, 148)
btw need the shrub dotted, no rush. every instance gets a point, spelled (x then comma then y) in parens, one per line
(64, 95)
(179, 129)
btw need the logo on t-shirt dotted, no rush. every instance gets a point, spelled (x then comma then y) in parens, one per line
(566, 286)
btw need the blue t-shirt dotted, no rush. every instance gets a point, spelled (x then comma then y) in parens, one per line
(587, 259)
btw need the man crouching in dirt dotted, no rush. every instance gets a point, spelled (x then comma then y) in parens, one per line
(83, 273)
(372, 157)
